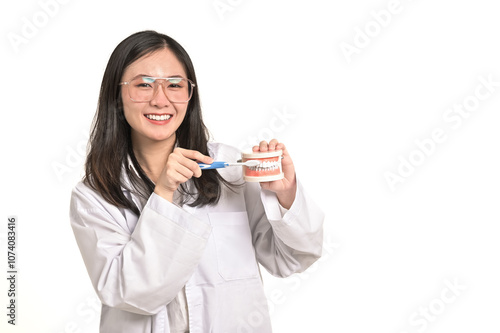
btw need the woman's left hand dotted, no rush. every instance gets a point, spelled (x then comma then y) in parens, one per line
(285, 188)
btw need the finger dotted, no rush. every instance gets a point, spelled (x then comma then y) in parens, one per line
(177, 177)
(265, 185)
(195, 169)
(183, 166)
(263, 146)
(285, 158)
(272, 144)
(186, 166)
(286, 153)
(188, 171)
(194, 155)
(189, 168)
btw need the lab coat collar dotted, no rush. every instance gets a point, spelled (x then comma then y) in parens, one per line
(125, 180)
(130, 165)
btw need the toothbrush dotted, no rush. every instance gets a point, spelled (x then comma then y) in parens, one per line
(218, 165)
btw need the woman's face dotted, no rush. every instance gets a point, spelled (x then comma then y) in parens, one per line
(162, 63)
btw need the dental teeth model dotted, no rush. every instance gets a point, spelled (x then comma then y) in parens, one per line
(267, 170)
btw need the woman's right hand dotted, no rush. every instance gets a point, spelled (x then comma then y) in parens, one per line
(182, 165)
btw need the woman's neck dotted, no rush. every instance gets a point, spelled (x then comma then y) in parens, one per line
(152, 155)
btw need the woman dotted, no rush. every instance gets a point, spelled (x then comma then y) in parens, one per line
(170, 248)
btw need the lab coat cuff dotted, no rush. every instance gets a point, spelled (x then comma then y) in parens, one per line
(179, 216)
(275, 212)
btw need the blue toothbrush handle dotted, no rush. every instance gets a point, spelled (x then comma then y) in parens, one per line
(215, 165)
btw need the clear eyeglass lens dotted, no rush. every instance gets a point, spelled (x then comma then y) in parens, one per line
(144, 89)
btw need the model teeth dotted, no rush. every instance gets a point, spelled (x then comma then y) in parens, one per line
(266, 166)
(156, 117)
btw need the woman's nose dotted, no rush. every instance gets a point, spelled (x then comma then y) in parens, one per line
(160, 99)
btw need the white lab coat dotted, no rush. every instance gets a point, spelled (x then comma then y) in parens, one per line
(139, 264)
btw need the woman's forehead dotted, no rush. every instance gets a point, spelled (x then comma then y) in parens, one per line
(162, 63)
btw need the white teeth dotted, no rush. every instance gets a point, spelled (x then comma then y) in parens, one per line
(266, 166)
(159, 118)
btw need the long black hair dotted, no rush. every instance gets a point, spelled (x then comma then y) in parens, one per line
(110, 139)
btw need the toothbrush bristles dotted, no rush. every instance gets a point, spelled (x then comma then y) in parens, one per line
(251, 163)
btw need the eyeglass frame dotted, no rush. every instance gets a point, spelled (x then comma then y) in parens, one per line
(127, 83)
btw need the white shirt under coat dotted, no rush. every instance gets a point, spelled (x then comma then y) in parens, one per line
(139, 265)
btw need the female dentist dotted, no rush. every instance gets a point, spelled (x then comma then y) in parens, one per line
(170, 248)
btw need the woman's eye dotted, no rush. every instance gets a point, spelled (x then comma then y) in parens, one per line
(144, 82)
(175, 83)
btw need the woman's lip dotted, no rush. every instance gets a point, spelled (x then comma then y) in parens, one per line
(159, 122)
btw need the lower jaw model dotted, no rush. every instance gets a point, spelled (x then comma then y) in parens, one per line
(268, 170)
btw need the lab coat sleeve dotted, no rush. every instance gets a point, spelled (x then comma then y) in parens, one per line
(143, 270)
(289, 243)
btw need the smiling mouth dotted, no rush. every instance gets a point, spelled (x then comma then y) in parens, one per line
(158, 117)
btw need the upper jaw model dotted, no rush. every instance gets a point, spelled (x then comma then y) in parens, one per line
(269, 168)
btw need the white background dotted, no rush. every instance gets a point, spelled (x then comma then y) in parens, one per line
(388, 254)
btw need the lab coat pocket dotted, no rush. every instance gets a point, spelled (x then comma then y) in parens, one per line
(233, 243)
